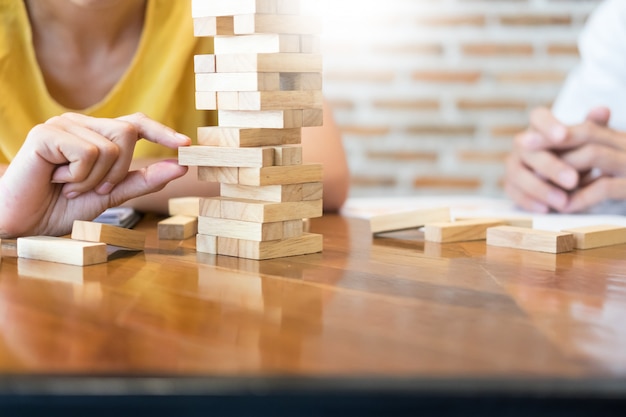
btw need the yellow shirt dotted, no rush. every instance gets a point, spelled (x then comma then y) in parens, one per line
(159, 81)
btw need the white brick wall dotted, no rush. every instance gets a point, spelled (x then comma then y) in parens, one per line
(429, 93)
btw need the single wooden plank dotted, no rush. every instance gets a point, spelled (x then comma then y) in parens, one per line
(206, 100)
(206, 244)
(61, 250)
(248, 24)
(312, 191)
(184, 206)
(268, 62)
(216, 156)
(202, 8)
(312, 117)
(227, 246)
(213, 26)
(294, 81)
(278, 100)
(211, 207)
(106, 233)
(204, 63)
(293, 228)
(275, 193)
(597, 236)
(264, 211)
(518, 221)
(244, 81)
(288, 155)
(237, 137)
(408, 219)
(226, 175)
(177, 227)
(305, 244)
(261, 43)
(288, 174)
(530, 239)
(238, 229)
(459, 231)
(274, 119)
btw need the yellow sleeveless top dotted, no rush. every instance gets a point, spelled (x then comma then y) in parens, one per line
(159, 81)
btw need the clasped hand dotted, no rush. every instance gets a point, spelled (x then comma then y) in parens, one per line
(75, 166)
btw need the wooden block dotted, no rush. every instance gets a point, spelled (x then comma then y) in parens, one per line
(211, 207)
(518, 221)
(265, 211)
(597, 236)
(238, 229)
(293, 81)
(312, 117)
(278, 100)
(459, 231)
(305, 244)
(408, 219)
(177, 227)
(312, 191)
(206, 244)
(530, 239)
(106, 233)
(288, 174)
(310, 44)
(228, 175)
(270, 62)
(184, 206)
(227, 246)
(216, 156)
(293, 228)
(248, 24)
(275, 193)
(204, 63)
(241, 137)
(202, 8)
(276, 119)
(206, 100)
(227, 100)
(213, 26)
(244, 81)
(261, 43)
(288, 155)
(61, 250)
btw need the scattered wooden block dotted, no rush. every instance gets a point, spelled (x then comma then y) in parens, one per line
(408, 219)
(459, 231)
(201, 8)
(597, 236)
(530, 239)
(185, 206)
(288, 174)
(274, 23)
(111, 235)
(272, 62)
(61, 250)
(216, 156)
(237, 137)
(177, 227)
(518, 221)
(262, 211)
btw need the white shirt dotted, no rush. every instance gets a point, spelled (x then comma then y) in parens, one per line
(600, 78)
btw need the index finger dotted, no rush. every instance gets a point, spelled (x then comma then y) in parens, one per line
(156, 132)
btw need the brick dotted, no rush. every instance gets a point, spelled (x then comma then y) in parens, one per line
(491, 49)
(447, 76)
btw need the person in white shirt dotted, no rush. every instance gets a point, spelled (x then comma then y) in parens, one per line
(572, 158)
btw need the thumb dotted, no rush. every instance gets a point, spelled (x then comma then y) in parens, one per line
(599, 115)
(146, 180)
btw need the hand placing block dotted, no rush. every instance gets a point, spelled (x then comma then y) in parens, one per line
(111, 235)
(530, 239)
(61, 250)
(598, 236)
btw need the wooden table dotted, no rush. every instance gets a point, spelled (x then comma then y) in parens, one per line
(387, 324)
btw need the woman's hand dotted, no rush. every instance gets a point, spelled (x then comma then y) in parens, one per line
(75, 166)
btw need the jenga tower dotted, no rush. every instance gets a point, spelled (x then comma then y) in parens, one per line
(265, 81)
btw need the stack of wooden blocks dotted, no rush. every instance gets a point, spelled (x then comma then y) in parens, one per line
(265, 81)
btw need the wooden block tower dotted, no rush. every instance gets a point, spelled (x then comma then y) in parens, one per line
(265, 81)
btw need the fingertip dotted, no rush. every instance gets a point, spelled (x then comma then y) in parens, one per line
(558, 133)
(568, 179)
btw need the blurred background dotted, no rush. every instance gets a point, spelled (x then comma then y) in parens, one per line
(429, 93)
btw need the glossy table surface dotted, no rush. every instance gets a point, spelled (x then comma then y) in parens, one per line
(390, 308)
